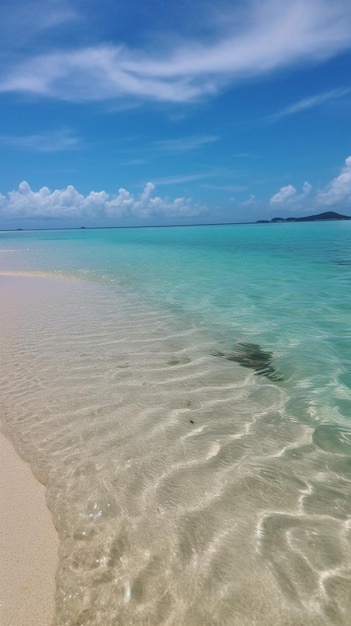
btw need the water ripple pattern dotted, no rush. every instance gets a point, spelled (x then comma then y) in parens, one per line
(183, 489)
(185, 396)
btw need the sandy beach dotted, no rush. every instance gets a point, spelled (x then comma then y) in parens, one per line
(28, 547)
(28, 538)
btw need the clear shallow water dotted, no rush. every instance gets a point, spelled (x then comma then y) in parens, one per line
(188, 489)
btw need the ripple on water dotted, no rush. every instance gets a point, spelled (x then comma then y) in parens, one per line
(185, 490)
(333, 438)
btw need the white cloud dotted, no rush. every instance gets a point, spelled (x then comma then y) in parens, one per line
(289, 197)
(51, 141)
(284, 195)
(310, 103)
(185, 144)
(21, 21)
(185, 178)
(249, 202)
(338, 192)
(69, 203)
(259, 38)
(306, 188)
(230, 188)
(335, 194)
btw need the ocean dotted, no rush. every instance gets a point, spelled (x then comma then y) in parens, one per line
(185, 395)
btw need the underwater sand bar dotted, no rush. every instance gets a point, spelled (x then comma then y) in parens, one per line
(28, 539)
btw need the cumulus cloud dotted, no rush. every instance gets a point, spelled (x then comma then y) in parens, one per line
(259, 38)
(288, 197)
(249, 202)
(69, 203)
(338, 192)
(284, 195)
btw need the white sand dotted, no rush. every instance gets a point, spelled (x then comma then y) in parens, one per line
(28, 545)
(28, 538)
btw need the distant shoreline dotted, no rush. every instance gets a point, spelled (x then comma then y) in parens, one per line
(327, 216)
(330, 216)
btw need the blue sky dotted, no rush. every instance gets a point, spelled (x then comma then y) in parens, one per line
(131, 113)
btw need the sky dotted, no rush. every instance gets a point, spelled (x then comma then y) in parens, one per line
(118, 113)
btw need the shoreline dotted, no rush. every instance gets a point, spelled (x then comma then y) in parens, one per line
(29, 545)
(28, 538)
(192, 471)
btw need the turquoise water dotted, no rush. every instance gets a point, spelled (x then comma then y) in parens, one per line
(286, 287)
(240, 334)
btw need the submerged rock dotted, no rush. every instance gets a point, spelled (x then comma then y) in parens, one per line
(251, 355)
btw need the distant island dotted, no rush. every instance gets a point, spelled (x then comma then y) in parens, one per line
(327, 215)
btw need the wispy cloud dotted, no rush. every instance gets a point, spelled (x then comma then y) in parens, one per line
(310, 103)
(230, 188)
(184, 178)
(185, 144)
(216, 172)
(259, 40)
(51, 141)
(134, 162)
(25, 20)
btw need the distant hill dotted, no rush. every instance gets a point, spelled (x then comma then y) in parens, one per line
(327, 215)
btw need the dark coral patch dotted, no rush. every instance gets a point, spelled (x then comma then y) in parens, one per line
(251, 355)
